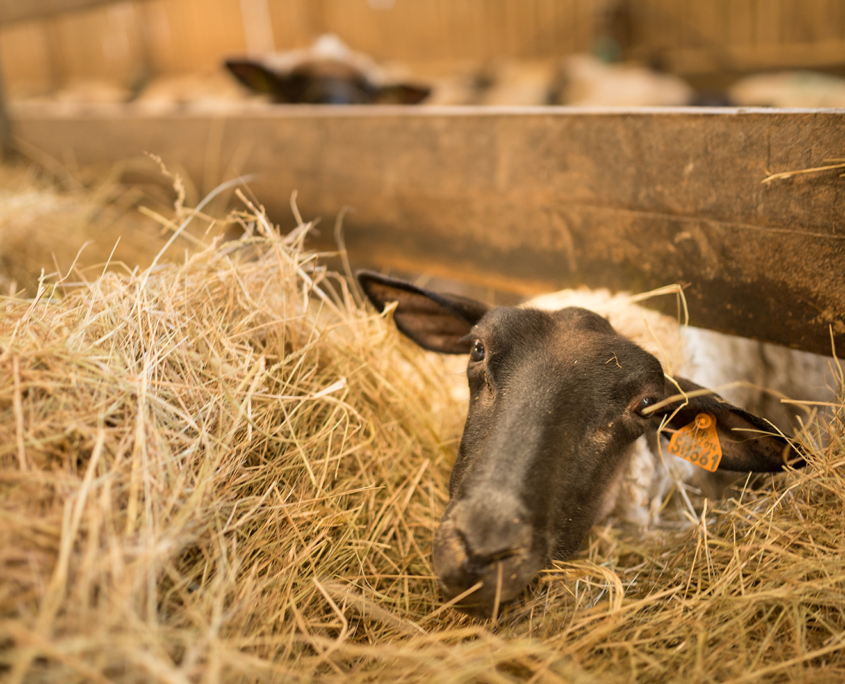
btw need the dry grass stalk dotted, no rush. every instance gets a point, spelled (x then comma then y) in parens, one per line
(226, 470)
(784, 175)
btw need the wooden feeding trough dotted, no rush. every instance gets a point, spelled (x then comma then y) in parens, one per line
(518, 200)
(525, 200)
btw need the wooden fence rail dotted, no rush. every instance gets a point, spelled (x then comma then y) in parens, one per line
(536, 199)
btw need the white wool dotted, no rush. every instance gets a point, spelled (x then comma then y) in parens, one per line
(767, 373)
(656, 333)
(519, 83)
(790, 89)
(590, 82)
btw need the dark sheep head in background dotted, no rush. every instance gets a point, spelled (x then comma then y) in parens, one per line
(326, 73)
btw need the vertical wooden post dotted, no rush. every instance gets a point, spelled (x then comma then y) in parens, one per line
(7, 149)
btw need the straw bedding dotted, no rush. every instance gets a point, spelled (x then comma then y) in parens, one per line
(226, 469)
(46, 227)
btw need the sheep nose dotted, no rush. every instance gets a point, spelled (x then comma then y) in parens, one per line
(489, 542)
(472, 537)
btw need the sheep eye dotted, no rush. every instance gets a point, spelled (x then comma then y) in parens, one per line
(643, 404)
(477, 352)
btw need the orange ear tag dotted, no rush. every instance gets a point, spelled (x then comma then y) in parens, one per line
(698, 442)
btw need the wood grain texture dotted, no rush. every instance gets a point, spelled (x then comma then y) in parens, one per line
(15, 10)
(537, 199)
(714, 41)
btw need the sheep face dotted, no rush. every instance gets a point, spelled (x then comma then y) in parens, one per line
(322, 81)
(554, 407)
(557, 400)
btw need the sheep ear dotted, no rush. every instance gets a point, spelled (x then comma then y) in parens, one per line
(402, 93)
(434, 321)
(747, 441)
(255, 76)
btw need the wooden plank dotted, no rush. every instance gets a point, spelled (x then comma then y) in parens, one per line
(830, 24)
(116, 56)
(195, 35)
(184, 36)
(24, 53)
(757, 57)
(537, 199)
(6, 145)
(769, 27)
(15, 10)
(742, 29)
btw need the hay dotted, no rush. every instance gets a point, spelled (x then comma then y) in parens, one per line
(816, 169)
(226, 470)
(55, 222)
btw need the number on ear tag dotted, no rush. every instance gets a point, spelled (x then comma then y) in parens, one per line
(698, 442)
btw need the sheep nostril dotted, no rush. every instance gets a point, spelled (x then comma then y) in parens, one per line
(477, 564)
(475, 537)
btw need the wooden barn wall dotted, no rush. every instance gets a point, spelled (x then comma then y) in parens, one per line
(742, 35)
(128, 41)
(124, 41)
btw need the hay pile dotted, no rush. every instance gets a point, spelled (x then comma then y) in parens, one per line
(57, 222)
(226, 470)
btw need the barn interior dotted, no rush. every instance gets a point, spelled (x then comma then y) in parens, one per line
(219, 463)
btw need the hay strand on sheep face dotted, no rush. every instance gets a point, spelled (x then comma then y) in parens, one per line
(225, 470)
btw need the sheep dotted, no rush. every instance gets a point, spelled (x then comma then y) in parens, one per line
(326, 73)
(551, 447)
(789, 89)
(752, 374)
(587, 81)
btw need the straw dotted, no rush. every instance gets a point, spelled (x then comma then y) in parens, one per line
(224, 469)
